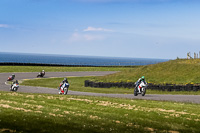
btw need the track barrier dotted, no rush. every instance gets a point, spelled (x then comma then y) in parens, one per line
(160, 87)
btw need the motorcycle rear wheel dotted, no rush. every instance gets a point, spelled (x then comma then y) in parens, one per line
(135, 92)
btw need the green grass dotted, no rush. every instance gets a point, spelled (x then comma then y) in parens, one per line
(64, 113)
(4, 69)
(175, 71)
(77, 84)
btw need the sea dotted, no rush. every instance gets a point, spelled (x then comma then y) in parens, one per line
(75, 60)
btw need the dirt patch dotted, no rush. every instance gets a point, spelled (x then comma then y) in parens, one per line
(94, 117)
(52, 114)
(16, 108)
(85, 100)
(31, 101)
(7, 130)
(30, 96)
(56, 110)
(168, 111)
(12, 102)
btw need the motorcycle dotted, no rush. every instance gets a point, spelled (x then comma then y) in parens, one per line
(141, 89)
(40, 74)
(10, 78)
(63, 88)
(14, 87)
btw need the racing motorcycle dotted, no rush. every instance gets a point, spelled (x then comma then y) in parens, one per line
(63, 87)
(14, 86)
(10, 78)
(141, 89)
(41, 74)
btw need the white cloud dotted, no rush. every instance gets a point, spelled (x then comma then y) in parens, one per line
(85, 37)
(4, 26)
(97, 29)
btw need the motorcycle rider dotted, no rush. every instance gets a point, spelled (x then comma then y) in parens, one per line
(64, 81)
(14, 82)
(13, 76)
(142, 79)
(42, 72)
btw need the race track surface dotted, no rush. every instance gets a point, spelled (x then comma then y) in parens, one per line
(29, 89)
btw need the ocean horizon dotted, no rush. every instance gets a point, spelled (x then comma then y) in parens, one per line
(6, 57)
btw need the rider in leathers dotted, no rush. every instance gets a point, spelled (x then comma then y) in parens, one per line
(64, 81)
(14, 82)
(42, 72)
(139, 81)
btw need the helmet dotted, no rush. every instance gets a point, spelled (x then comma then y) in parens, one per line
(142, 77)
(43, 70)
(65, 79)
(13, 74)
(17, 81)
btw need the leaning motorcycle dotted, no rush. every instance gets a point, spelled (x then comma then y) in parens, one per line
(63, 88)
(10, 78)
(40, 75)
(14, 87)
(141, 89)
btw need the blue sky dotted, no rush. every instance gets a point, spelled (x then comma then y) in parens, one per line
(164, 29)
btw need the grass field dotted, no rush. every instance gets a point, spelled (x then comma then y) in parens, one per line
(4, 69)
(21, 112)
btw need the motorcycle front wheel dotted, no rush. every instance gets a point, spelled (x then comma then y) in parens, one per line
(144, 91)
(65, 91)
(15, 89)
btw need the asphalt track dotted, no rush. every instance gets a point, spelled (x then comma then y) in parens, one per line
(30, 89)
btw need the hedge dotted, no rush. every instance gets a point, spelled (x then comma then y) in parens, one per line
(160, 87)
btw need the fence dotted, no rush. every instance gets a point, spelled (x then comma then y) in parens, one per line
(166, 87)
(109, 84)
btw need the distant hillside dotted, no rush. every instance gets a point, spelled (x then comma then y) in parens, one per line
(180, 71)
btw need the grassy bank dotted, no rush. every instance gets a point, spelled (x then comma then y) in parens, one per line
(57, 113)
(4, 69)
(175, 71)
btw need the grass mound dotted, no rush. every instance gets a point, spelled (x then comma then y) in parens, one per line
(180, 71)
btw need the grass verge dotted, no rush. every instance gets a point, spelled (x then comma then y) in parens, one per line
(59, 113)
(4, 69)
